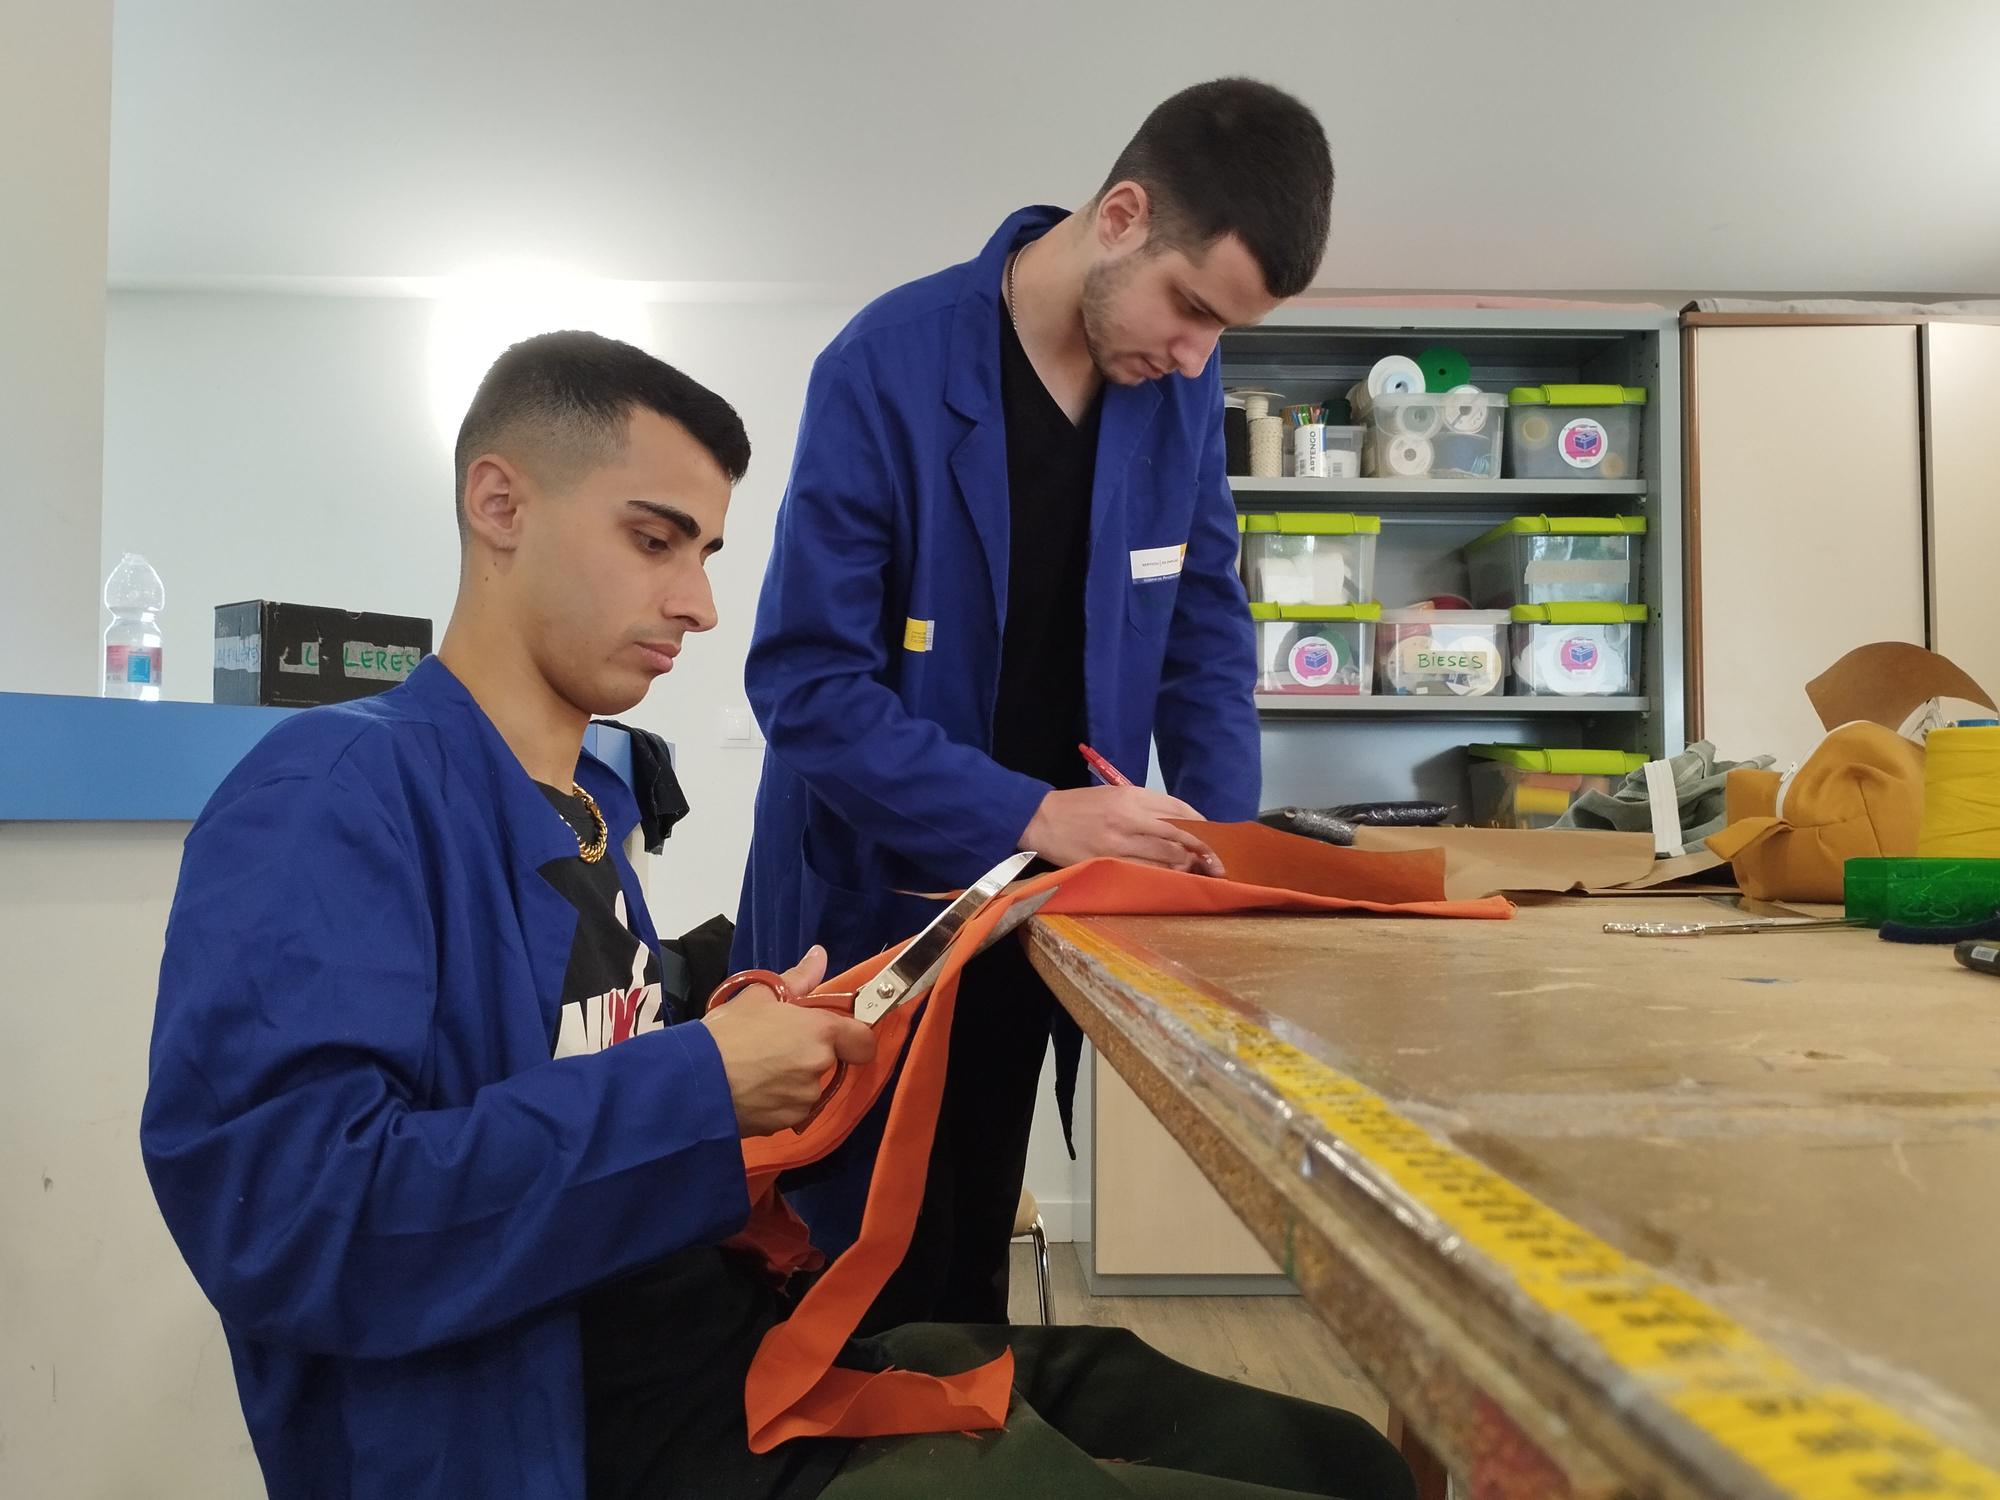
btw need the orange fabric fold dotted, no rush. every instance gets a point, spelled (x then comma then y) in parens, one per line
(794, 1389)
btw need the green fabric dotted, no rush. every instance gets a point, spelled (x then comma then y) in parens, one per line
(1097, 1413)
(1698, 788)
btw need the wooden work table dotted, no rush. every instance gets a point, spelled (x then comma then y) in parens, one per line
(1601, 1215)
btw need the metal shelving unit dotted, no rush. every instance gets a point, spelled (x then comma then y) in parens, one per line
(1321, 750)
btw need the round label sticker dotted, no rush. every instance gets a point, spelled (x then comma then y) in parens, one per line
(1582, 443)
(1578, 653)
(1314, 661)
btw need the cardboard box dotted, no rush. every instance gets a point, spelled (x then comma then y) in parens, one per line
(299, 655)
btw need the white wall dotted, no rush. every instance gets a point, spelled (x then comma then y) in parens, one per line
(1521, 144)
(116, 1380)
(55, 142)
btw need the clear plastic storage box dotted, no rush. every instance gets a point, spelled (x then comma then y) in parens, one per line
(1318, 649)
(1577, 650)
(1441, 652)
(1310, 558)
(1448, 435)
(1557, 560)
(1575, 431)
(1523, 786)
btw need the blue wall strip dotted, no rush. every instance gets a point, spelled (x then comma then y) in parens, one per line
(116, 760)
(111, 760)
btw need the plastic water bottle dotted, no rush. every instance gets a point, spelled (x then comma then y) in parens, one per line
(135, 596)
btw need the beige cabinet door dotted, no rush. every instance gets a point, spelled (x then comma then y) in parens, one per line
(1808, 512)
(1152, 1212)
(1961, 375)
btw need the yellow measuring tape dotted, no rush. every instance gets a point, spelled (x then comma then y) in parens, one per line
(1809, 1438)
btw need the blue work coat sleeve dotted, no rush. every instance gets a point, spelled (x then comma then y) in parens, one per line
(1205, 723)
(318, 1203)
(826, 626)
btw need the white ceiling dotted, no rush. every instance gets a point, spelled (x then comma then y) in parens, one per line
(1525, 144)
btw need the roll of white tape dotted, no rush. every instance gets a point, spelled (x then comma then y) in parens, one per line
(1465, 409)
(1406, 457)
(1414, 416)
(1396, 375)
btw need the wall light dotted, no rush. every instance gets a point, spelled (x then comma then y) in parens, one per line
(478, 314)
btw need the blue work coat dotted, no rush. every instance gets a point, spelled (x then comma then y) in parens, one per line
(875, 661)
(354, 1128)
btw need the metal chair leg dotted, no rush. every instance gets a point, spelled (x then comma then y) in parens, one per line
(1041, 1241)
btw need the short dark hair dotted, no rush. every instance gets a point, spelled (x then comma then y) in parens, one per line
(1236, 156)
(569, 396)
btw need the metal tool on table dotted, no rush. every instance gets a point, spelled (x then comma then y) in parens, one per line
(1721, 929)
(914, 969)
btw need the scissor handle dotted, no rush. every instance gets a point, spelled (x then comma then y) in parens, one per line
(736, 984)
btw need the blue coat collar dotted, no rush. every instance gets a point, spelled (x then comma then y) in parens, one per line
(532, 835)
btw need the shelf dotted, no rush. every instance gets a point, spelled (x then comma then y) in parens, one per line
(1432, 489)
(1387, 706)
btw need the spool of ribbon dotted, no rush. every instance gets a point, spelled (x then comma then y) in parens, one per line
(1395, 375)
(1465, 409)
(1444, 368)
(1267, 446)
(1407, 457)
(1413, 417)
(1534, 430)
(1961, 795)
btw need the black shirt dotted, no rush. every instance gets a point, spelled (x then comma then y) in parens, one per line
(665, 1348)
(1039, 716)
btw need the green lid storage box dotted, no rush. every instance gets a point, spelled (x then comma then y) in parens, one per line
(1525, 786)
(1556, 560)
(1567, 432)
(1577, 650)
(1310, 557)
(1316, 649)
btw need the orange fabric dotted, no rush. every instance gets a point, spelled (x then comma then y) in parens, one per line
(1860, 795)
(793, 1389)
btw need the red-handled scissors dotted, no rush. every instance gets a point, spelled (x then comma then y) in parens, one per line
(911, 973)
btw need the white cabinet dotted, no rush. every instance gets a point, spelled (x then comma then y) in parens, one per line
(1806, 519)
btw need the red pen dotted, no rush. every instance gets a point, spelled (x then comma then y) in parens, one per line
(1107, 773)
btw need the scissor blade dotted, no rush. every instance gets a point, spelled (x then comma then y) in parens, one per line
(913, 970)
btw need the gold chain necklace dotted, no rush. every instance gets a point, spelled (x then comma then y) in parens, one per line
(593, 851)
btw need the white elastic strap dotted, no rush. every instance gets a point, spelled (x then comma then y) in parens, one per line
(1666, 804)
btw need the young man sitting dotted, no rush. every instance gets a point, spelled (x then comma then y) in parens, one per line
(431, 1116)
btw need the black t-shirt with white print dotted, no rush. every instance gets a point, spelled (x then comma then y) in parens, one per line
(665, 1348)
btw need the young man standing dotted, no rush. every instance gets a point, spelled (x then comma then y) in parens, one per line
(1008, 531)
(429, 1115)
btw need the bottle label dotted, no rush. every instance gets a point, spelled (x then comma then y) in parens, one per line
(135, 666)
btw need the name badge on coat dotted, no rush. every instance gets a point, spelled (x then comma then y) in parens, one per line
(1154, 564)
